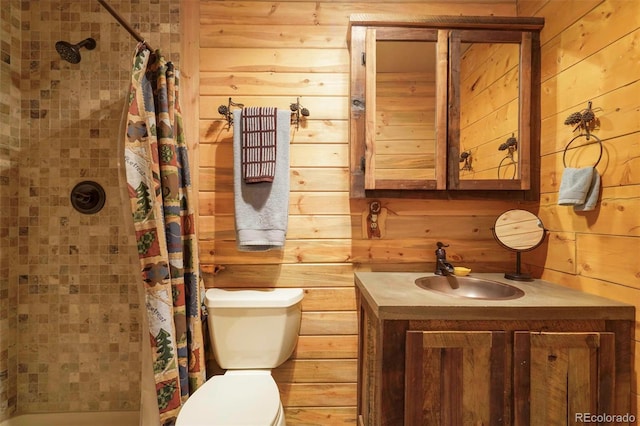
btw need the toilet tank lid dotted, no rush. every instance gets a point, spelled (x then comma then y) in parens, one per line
(247, 298)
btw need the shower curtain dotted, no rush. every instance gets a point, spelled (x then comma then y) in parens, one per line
(158, 183)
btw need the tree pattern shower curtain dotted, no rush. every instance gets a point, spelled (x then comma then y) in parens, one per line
(159, 187)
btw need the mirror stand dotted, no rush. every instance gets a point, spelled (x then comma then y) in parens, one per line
(518, 231)
(518, 275)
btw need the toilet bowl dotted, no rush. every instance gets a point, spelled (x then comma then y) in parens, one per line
(252, 331)
(236, 398)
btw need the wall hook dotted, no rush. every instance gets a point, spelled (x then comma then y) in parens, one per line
(227, 113)
(465, 158)
(511, 144)
(584, 120)
(296, 111)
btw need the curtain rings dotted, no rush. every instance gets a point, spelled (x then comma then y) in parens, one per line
(587, 136)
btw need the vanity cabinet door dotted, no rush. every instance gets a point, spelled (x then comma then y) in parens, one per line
(455, 377)
(560, 375)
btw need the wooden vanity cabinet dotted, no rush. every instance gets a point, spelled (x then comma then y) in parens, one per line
(490, 372)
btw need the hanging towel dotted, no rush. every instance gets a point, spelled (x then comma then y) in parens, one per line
(259, 126)
(262, 209)
(592, 195)
(579, 188)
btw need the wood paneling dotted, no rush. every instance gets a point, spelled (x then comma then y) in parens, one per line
(620, 118)
(326, 347)
(613, 18)
(336, 12)
(332, 323)
(602, 73)
(618, 204)
(317, 394)
(560, 14)
(317, 371)
(190, 77)
(319, 416)
(599, 256)
(264, 53)
(260, 83)
(589, 53)
(273, 35)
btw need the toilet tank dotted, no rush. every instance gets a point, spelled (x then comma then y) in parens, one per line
(253, 329)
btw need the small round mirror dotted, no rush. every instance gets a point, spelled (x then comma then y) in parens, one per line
(519, 230)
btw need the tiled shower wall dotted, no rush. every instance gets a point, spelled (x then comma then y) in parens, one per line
(10, 42)
(69, 309)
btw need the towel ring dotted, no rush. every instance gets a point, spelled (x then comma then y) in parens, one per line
(586, 135)
(511, 147)
(514, 163)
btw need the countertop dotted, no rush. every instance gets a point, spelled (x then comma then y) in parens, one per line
(394, 295)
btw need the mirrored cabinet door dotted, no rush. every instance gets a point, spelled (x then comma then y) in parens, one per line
(402, 146)
(489, 88)
(489, 110)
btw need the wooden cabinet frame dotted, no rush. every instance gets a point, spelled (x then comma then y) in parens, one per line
(448, 32)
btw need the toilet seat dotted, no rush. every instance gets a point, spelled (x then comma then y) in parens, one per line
(237, 398)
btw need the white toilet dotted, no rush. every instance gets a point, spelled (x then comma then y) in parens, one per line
(252, 331)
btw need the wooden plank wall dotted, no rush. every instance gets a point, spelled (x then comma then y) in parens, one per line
(264, 53)
(590, 53)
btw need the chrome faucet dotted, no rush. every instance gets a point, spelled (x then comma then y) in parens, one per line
(442, 266)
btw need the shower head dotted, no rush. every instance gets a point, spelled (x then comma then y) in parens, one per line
(71, 52)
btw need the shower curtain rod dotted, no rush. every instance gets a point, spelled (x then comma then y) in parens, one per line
(124, 23)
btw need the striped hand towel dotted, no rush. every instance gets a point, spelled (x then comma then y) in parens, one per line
(259, 144)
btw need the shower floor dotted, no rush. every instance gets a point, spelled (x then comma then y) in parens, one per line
(103, 418)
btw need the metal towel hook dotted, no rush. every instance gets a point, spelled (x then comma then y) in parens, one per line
(297, 110)
(226, 111)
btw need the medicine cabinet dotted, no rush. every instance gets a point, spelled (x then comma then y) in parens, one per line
(444, 103)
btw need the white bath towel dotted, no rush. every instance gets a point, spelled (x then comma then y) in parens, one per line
(579, 188)
(262, 209)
